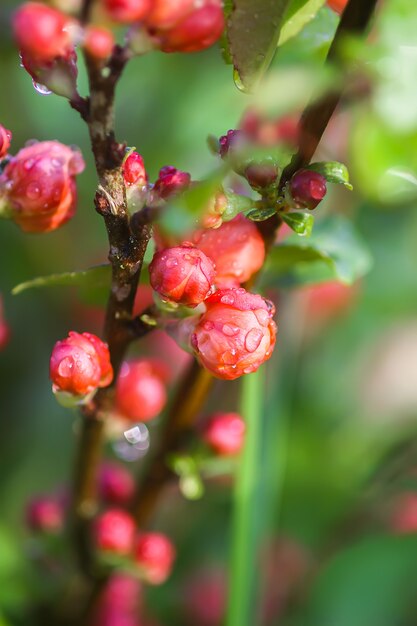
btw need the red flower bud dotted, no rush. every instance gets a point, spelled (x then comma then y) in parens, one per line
(337, 5)
(39, 185)
(260, 175)
(308, 188)
(134, 172)
(185, 25)
(236, 248)
(116, 483)
(225, 433)
(99, 42)
(236, 334)
(114, 531)
(46, 515)
(127, 11)
(231, 139)
(182, 274)
(140, 392)
(42, 33)
(120, 603)
(5, 141)
(80, 364)
(154, 553)
(171, 181)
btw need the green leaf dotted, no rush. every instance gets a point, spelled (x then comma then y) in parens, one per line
(301, 223)
(333, 251)
(260, 215)
(369, 584)
(98, 276)
(333, 172)
(253, 30)
(298, 15)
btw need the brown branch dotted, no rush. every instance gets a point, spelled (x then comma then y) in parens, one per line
(317, 115)
(188, 401)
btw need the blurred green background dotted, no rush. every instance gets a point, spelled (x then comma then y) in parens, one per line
(342, 387)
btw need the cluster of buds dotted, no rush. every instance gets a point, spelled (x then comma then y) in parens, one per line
(37, 186)
(151, 553)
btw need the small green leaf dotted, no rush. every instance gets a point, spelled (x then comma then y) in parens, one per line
(253, 30)
(334, 251)
(97, 276)
(333, 172)
(298, 15)
(301, 223)
(260, 215)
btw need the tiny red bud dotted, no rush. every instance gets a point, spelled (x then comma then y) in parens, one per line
(120, 602)
(186, 26)
(5, 141)
(80, 364)
(171, 181)
(337, 5)
(46, 515)
(225, 433)
(140, 391)
(236, 334)
(236, 248)
(116, 484)
(114, 531)
(42, 33)
(127, 11)
(308, 188)
(182, 274)
(99, 42)
(39, 185)
(154, 553)
(134, 172)
(232, 139)
(260, 175)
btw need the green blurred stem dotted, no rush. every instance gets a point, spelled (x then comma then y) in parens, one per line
(244, 572)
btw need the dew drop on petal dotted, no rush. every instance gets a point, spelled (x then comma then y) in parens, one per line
(171, 263)
(230, 330)
(65, 367)
(33, 191)
(42, 89)
(208, 325)
(253, 339)
(227, 299)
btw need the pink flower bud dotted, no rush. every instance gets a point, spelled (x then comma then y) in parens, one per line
(154, 553)
(39, 185)
(232, 139)
(171, 181)
(46, 515)
(116, 484)
(120, 602)
(134, 172)
(80, 364)
(42, 33)
(184, 25)
(236, 334)
(140, 392)
(114, 531)
(308, 188)
(236, 248)
(225, 433)
(5, 141)
(127, 11)
(205, 597)
(99, 42)
(182, 274)
(404, 517)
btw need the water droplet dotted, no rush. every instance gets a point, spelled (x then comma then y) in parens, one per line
(238, 81)
(227, 299)
(134, 444)
(171, 263)
(208, 325)
(253, 339)
(229, 357)
(28, 164)
(262, 316)
(230, 330)
(65, 367)
(42, 89)
(56, 162)
(33, 191)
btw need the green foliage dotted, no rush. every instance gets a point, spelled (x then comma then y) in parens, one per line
(333, 172)
(333, 251)
(300, 223)
(299, 13)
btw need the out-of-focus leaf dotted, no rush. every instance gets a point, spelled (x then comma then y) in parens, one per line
(300, 223)
(313, 41)
(369, 584)
(253, 30)
(298, 14)
(333, 251)
(92, 277)
(384, 162)
(333, 172)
